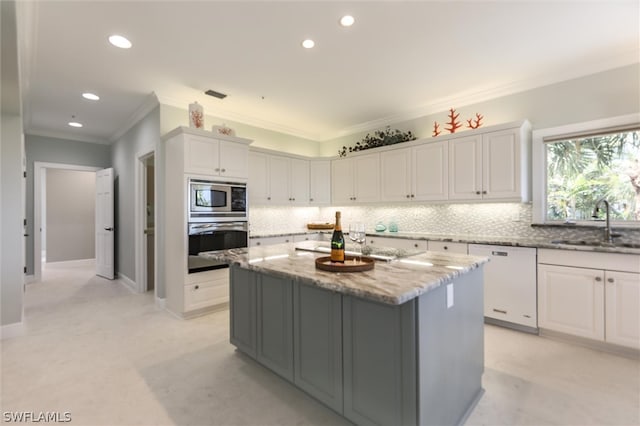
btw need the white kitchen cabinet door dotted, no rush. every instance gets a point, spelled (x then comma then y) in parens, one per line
(233, 160)
(201, 155)
(342, 172)
(399, 243)
(367, 178)
(571, 300)
(320, 182)
(278, 180)
(269, 241)
(465, 168)
(501, 165)
(258, 185)
(430, 170)
(298, 181)
(622, 309)
(448, 247)
(395, 175)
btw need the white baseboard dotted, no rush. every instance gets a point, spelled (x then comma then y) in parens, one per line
(70, 263)
(161, 303)
(128, 282)
(29, 279)
(9, 331)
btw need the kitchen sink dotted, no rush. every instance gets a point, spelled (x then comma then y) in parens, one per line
(596, 243)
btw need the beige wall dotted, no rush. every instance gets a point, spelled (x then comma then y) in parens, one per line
(172, 117)
(70, 213)
(602, 95)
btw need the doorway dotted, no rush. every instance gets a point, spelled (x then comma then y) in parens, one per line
(145, 223)
(63, 203)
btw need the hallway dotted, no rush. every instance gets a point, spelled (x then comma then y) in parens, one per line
(110, 357)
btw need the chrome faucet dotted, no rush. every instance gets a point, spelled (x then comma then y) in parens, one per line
(608, 235)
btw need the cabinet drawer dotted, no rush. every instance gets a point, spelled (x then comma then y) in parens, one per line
(203, 295)
(592, 260)
(221, 275)
(448, 247)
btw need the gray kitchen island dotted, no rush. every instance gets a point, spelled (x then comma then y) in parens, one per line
(402, 344)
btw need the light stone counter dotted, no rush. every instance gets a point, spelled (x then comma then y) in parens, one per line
(394, 282)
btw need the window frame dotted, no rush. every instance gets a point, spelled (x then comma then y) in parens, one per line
(539, 165)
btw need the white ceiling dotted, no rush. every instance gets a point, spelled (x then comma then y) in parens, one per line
(399, 60)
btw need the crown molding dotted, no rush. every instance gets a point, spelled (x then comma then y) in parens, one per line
(150, 102)
(66, 136)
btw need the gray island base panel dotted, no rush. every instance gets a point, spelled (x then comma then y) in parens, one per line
(419, 362)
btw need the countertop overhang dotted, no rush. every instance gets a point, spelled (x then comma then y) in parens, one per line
(392, 282)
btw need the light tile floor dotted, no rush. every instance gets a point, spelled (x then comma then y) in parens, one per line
(110, 357)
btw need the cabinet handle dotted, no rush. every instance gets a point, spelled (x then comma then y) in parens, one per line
(223, 170)
(446, 247)
(484, 192)
(293, 199)
(477, 192)
(268, 198)
(286, 241)
(611, 280)
(500, 311)
(598, 279)
(408, 196)
(196, 287)
(416, 245)
(412, 195)
(310, 199)
(217, 169)
(257, 243)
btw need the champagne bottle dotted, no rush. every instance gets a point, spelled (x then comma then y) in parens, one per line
(337, 242)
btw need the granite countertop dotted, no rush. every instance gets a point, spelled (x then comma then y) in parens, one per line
(478, 239)
(394, 282)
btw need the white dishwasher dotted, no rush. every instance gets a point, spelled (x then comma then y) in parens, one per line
(510, 292)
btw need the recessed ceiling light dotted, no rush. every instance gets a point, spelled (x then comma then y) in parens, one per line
(75, 124)
(347, 20)
(91, 96)
(308, 43)
(120, 41)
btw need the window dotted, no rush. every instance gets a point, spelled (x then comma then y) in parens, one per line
(557, 199)
(584, 168)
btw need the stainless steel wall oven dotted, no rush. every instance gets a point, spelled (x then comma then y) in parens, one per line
(212, 236)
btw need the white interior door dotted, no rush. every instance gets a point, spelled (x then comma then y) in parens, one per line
(104, 223)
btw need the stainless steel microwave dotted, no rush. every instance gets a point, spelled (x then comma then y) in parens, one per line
(217, 201)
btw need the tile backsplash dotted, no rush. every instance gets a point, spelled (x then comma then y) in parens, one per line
(512, 220)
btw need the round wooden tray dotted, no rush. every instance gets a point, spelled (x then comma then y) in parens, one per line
(351, 264)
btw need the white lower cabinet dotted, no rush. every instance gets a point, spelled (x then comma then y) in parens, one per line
(579, 295)
(448, 247)
(397, 243)
(206, 289)
(282, 239)
(571, 300)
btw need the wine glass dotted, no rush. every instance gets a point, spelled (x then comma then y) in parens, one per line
(357, 234)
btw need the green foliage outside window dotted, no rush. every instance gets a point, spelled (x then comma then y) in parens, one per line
(582, 171)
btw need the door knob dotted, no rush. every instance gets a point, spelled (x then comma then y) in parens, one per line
(108, 229)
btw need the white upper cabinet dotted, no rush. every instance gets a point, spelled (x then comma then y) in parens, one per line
(258, 184)
(319, 182)
(356, 179)
(395, 175)
(465, 168)
(418, 173)
(277, 180)
(298, 181)
(214, 157)
(489, 166)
